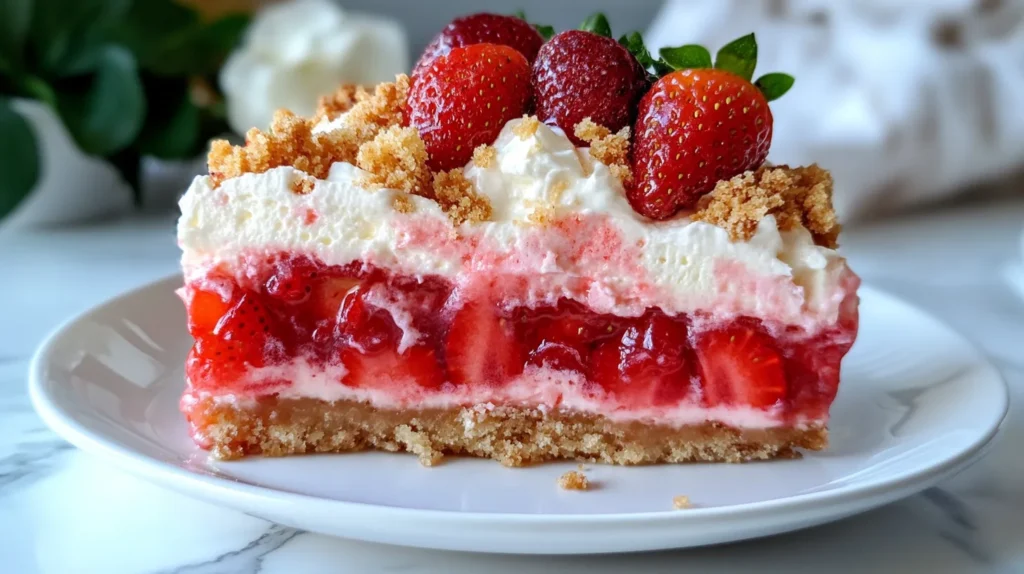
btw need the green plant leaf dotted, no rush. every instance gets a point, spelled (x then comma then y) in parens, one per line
(774, 85)
(521, 14)
(107, 114)
(15, 20)
(171, 40)
(546, 32)
(19, 158)
(738, 57)
(38, 89)
(172, 129)
(686, 57)
(67, 37)
(597, 23)
(634, 43)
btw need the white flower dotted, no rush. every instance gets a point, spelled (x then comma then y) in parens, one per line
(294, 52)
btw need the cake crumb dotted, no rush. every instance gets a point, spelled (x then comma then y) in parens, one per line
(292, 142)
(396, 159)
(459, 199)
(527, 127)
(402, 203)
(331, 106)
(485, 156)
(795, 196)
(573, 480)
(303, 185)
(681, 502)
(607, 148)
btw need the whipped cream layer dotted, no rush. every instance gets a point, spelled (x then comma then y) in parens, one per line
(561, 226)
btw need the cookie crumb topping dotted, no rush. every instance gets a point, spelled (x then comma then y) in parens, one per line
(607, 148)
(459, 198)
(795, 196)
(331, 106)
(573, 480)
(396, 159)
(526, 128)
(681, 502)
(485, 156)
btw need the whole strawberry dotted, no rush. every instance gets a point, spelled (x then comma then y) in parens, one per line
(583, 73)
(483, 28)
(700, 124)
(464, 99)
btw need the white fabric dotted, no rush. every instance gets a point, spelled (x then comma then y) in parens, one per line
(904, 100)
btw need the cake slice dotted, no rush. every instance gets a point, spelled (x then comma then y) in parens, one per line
(427, 267)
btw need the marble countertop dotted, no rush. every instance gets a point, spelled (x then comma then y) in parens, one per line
(62, 511)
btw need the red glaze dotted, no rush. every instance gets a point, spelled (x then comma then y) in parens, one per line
(343, 315)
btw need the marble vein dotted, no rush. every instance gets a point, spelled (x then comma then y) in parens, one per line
(248, 560)
(30, 461)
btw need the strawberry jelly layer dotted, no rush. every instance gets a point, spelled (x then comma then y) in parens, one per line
(360, 333)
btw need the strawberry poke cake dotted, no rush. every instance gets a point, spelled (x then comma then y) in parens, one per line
(539, 246)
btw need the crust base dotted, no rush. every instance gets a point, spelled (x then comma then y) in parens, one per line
(512, 435)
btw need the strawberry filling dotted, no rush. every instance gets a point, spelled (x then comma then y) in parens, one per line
(392, 333)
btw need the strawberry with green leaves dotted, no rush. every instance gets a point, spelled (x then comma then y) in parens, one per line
(699, 123)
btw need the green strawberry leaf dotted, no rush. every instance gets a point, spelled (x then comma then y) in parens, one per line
(634, 43)
(597, 23)
(546, 32)
(686, 57)
(19, 158)
(15, 20)
(106, 114)
(738, 57)
(774, 85)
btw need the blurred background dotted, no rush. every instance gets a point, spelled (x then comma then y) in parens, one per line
(106, 106)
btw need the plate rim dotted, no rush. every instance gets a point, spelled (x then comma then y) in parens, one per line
(222, 488)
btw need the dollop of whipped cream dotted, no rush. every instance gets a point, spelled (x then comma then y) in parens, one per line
(296, 51)
(560, 219)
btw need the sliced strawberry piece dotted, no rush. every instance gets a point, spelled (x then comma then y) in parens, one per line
(329, 293)
(205, 309)
(740, 366)
(240, 340)
(389, 368)
(481, 347)
(558, 356)
(293, 280)
(368, 328)
(647, 365)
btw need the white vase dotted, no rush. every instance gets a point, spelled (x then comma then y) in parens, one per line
(72, 186)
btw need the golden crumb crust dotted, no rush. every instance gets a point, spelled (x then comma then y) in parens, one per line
(527, 127)
(573, 480)
(681, 502)
(512, 435)
(795, 196)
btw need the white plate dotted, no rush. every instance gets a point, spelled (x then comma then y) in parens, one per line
(917, 404)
